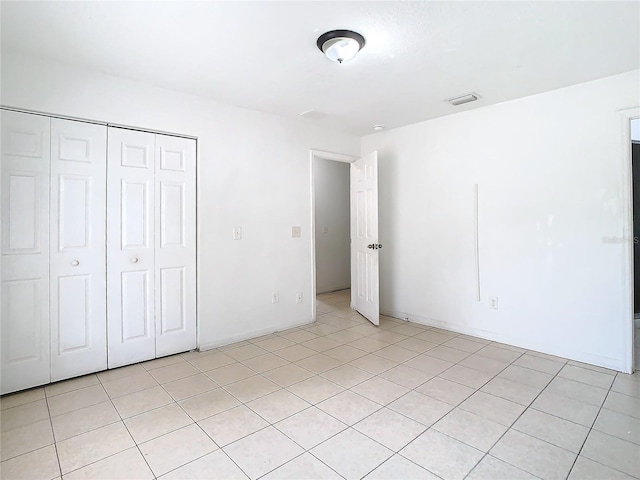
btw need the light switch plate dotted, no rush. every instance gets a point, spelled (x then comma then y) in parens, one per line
(296, 231)
(237, 233)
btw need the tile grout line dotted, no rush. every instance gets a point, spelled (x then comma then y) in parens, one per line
(394, 452)
(269, 424)
(348, 426)
(127, 429)
(344, 363)
(557, 375)
(193, 421)
(53, 432)
(591, 429)
(311, 405)
(516, 420)
(243, 403)
(458, 406)
(221, 448)
(564, 363)
(300, 455)
(386, 406)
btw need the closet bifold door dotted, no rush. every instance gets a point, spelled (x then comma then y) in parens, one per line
(25, 251)
(175, 243)
(130, 247)
(77, 248)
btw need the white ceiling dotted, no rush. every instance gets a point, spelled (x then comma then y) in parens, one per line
(263, 55)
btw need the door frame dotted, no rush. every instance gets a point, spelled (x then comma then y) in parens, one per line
(627, 234)
(320, 155)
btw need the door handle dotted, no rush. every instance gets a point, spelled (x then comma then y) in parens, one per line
(134, 260)
(75, 263)
(374, 246)
(371, 246)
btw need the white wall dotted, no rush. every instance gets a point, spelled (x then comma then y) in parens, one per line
(253, 173)
(553, 221)
(333, 250)
(635, 129)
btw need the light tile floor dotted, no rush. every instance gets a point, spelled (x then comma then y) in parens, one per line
(335, 399)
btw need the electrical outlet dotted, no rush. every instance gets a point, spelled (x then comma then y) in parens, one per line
(275, 297)
(299, 297)
(493, 303)
(237, 233)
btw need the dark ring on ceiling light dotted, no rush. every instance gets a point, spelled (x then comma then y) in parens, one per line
(326, 38)
(322, 39)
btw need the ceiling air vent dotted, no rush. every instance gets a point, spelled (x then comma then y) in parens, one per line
(470, 97)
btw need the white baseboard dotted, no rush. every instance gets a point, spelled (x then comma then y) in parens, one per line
(333, 290)
(598, 360)
(254, 334)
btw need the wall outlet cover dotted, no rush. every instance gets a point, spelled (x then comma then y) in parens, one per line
(493, 303)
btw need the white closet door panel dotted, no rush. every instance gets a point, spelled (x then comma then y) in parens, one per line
(78, 253)
(135, 202)
(25, 251)
(173, 307)
(22, 220)
(130, 247)
(136, 310)
(21, 299)
(175, 242)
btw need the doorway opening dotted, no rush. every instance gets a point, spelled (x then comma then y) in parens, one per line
(331, 231)
(363, 227)
(635, 175)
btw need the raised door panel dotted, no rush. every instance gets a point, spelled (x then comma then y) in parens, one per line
(173, 306)
(25, 135)
(136, 211)
(74, 210)
(175, 243)
(131, 223)
(172, 214)
(78, 253)
(73, 315)
(23, 234)
(136, 311)
(20, 299)
(25, 255)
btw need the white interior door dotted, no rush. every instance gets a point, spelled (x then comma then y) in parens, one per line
(175, 244)
(77, 248)
(364, 237)
(25, 251)
(130, 247)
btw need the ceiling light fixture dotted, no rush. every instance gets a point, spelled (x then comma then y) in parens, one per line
(470, 97)
(378, 127)
(340, 45)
